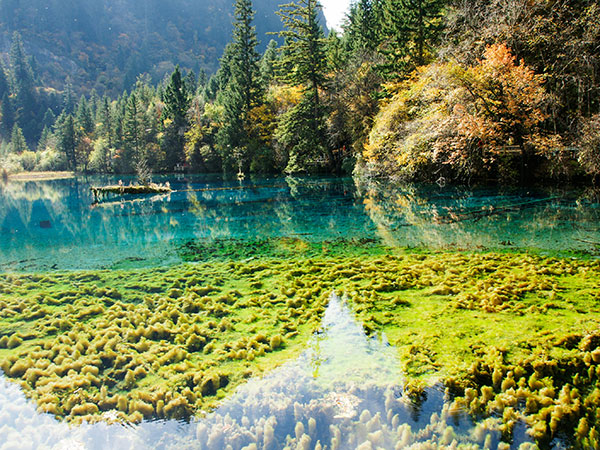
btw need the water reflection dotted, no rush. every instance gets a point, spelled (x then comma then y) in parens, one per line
(54, 225)
(343, 392)
(440, 217)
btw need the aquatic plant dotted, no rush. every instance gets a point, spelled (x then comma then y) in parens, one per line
(199, 330)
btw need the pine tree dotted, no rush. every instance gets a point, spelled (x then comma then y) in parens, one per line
(104, 119)
(67, 138)
(410, 28)
(22, 82)
(44, 139)
(8, 116)
(133, 133)
(302, 129)
(83, 117)
(177, 102)
(191, 82)
(21, 74)
(361, 31)
(243, 91)
(4, 86)
(17, 140)
(49, 119)
(68, 98)
(268, 62)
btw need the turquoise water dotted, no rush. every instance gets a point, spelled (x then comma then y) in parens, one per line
(345, 391)
(48, 225)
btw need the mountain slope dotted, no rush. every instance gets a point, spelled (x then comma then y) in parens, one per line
(105, 44)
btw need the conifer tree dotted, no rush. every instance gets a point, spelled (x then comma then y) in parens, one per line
(67, 138)
(104, 119)
(83, 116)
(133, 133)
(8, 116)
(243, 91)
(177, 102)
(68, 100)
(17, 140)
(4, 86)
(268, 62)
(361, 31)
(302, 129)
(409, 30)
(22, 82)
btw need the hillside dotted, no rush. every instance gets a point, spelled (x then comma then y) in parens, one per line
(106, 44)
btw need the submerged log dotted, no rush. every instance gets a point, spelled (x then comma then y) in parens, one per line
(120, 189)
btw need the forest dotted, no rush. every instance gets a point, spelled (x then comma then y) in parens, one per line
(430, 90)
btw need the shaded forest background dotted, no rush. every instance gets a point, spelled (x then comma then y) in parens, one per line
(500, 90)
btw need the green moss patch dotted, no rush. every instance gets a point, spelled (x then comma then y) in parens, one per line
(510, 334)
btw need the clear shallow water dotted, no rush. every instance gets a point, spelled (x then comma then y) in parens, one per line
(47, 225)
(54, 225)
(344, 392)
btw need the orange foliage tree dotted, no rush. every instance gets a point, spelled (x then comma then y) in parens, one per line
(458, 122)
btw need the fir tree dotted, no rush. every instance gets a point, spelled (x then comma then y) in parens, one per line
(44, 139)
(4, 86)
(8, 116)
(17, 140)
(21, 80)
(105, 123)
(243, 91)
(268, 63)
(177, 102)
(133, 133)
(49, 118)
(361, 31)
(302, 130)
(67, 138)
(68, 100)
(83, 117)
(409, 30)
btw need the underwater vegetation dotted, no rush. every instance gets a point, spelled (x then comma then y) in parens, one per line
(513, 336)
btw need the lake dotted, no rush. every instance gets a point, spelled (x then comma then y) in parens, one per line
(341, 385)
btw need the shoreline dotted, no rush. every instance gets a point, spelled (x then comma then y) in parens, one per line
(40, 176)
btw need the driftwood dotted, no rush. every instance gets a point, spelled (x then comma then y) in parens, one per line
(130, 190)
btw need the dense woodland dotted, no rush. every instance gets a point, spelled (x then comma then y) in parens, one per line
(440, 90)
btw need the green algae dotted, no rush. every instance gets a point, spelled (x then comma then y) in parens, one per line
(510, 334)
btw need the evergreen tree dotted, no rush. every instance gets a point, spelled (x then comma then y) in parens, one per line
(133, 134)
(17, 140)
(67, 138)
(177, 102)
(243, 91)
(268, 62)
(83, 118)
(21, 80)
(68, 101)
(191, 82)
(104, 119)
(202, 78)
(44, 139)
(21, 75)
(4, 86)
(410, 28)
(361, 31)
(8, 116)
(49, 118)
(302, 130)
